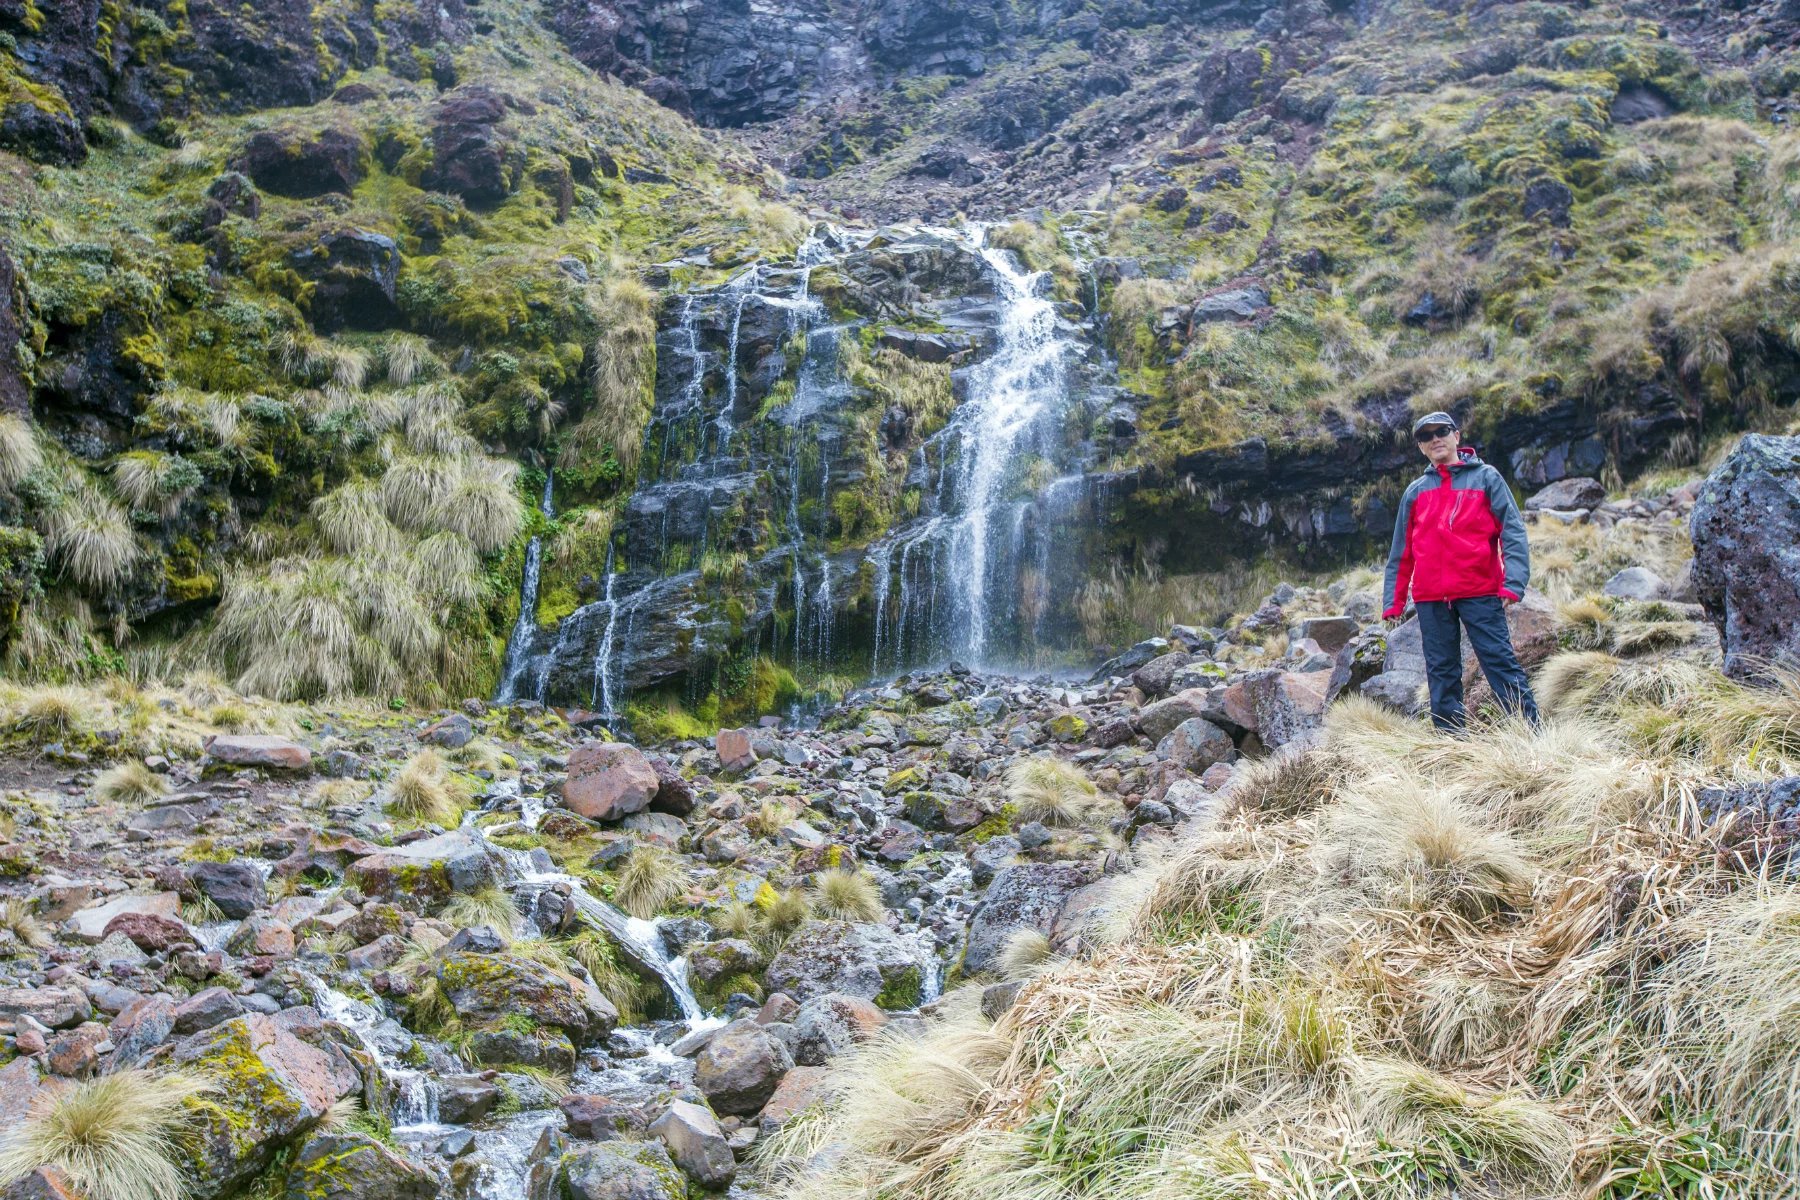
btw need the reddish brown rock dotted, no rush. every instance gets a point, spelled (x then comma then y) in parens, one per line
(259, 750)
(797, 1089)
(149, 932)
(609, 780)
(735, 752)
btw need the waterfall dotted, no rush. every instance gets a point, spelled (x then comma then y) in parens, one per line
(1010, 394)
(604, 683)
(524, 630)
(881, 557)
(745, 286)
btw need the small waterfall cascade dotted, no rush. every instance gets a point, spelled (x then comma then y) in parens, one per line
(605, 676)
(414, 1092)
(518, 644)
(638, 938)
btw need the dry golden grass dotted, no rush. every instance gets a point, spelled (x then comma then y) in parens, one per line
(424, 790)
(128, 783)
(1518, 964)
(847, 895)
(1045, 788)
(114, 1137)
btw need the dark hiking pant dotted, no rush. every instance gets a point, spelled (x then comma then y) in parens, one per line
(1441, 623)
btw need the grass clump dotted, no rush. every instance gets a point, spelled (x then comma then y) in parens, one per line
(26, 928)
(650, 879)
(487, 905)
(847, 896)
(424, 790)
(128, 783)
(52, 714)
(633, 996)
(1047, 789)
(115, 1138)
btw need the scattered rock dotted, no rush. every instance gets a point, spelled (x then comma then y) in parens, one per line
(608, 780)
(259, 750)
(696, 1143)
(740, 1066)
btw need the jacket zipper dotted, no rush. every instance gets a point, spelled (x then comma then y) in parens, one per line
(1455, 505)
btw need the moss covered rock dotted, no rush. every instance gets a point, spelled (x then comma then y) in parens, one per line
(354, 1166)
(854, 958)
(492, 988)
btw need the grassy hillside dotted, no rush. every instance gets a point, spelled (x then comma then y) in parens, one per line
(231, 412)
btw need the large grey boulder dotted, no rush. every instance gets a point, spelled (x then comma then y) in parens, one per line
(622, 1171)
(740, 1066)
(1159, 720)
(1026, 896)
(1746, 531)
(697, 1144)
(1576, 493)
(1635, 583)
(1195, 745)
(856, 958)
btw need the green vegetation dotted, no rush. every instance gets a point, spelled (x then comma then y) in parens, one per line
(847, 895)
(424, 790)
(1045, 788)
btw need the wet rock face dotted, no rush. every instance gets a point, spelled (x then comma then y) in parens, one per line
(1746, 531)
(301, 163)
(354, 1166)
(852, 958)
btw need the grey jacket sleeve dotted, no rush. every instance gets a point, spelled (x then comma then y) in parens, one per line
(1515, 548)
(1400, 559)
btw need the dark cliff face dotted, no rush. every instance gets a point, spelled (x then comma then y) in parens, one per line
(727, 63)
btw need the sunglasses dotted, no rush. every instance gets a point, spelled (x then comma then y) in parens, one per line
(1432, 433)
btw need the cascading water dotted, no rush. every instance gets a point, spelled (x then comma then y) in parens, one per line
(1010, 394)
(604, 680)
(524, 630)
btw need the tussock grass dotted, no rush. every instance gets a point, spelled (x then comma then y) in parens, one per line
(624, 360)
(1399, 965)
(771, 817)
(847, 896)
(26, 928)
(52, 714)
(486, 905)
(128, 783)
(424, 790)
(1026, 951)
(88, 536)
(632, 995)
(650, 879)
(19, 453)
(1045, 788)
(114, 1137)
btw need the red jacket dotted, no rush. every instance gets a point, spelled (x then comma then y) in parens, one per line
(1458, 535)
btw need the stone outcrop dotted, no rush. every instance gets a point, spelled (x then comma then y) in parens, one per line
(1746, 531)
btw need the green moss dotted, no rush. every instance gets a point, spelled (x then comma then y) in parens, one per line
(901, 990)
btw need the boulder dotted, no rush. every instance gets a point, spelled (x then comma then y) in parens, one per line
(301, 164)
(608, 780)
(1635, 583)
(734, 749)
(1746, 531)
(713, 963)
(1024, 896)
(797, 1089)
(1289, 705)
(1235, 304)
(269, 1085)
(149, 932)
(465, 1099)
(1331, 633)
(827, 1026)
(1196, 744)
(1576, 493)
(740, 1066)
(1160, 719)
(354, 274)
(236, 888)
(424, 872)
(204, 1009)
(259, 750)
(471, 157)
(452, 733)
(51, 1007)
(354, 1166)
(489, 987)
(1153, 678)
(621, 1171)
(674, 795)
(90, 924)
(600, 1118)
(856, 958)
(697, 1144)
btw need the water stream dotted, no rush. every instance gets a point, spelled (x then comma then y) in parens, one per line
(524, 630)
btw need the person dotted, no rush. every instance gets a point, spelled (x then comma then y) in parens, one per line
(1460, 549)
